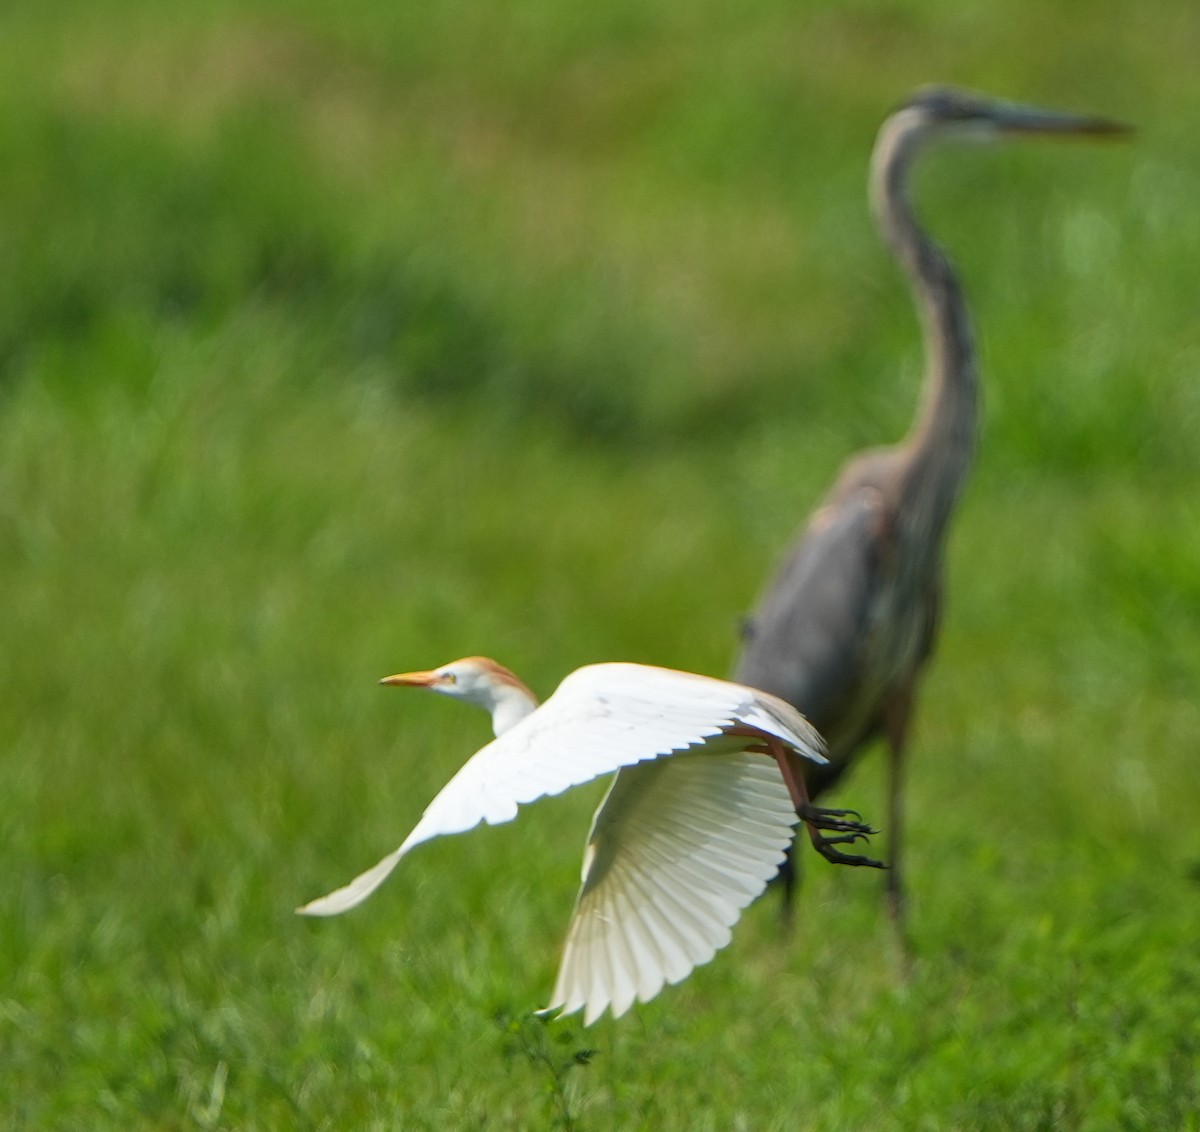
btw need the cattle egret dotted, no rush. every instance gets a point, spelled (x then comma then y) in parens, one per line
(693, 827)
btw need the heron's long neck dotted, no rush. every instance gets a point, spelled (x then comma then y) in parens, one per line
(941, 442)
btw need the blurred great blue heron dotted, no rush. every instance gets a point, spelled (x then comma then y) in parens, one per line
(848, 623)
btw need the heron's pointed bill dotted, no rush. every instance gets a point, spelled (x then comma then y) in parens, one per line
(414, 680)
(1014, 118)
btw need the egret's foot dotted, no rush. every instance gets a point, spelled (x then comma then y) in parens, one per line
(846, 838)
(838, 822)
(836, 856)
(835, 821)
(826, 813)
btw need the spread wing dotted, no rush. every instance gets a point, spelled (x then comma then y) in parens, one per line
(678, 848)
(601, 718)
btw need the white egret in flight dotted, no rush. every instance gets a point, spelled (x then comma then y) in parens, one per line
(695, 824)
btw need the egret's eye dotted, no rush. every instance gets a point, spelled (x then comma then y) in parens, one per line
(448, 678)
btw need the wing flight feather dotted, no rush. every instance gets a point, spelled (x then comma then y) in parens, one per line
(669, 873)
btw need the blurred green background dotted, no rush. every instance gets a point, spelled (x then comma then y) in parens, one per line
(343, 338)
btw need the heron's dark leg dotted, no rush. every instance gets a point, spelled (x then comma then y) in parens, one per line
(896, 720)
(848, 829)
(789, 878)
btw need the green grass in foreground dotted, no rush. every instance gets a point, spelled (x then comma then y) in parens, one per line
(337, 343)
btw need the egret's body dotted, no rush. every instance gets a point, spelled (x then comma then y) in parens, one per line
(845, 628)
(695, 824)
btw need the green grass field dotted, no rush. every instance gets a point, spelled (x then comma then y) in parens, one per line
(339, 339)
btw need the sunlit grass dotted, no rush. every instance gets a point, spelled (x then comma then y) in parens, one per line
(338, 340)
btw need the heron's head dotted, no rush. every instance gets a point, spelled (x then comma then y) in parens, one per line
(477, 680)
(947, 112)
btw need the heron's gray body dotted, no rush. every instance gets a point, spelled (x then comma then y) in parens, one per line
(850, 619)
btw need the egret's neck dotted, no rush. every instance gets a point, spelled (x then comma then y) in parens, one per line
(510, 705)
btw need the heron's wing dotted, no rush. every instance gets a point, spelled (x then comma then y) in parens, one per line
(601, 718)
(678, 848)
(806, 640)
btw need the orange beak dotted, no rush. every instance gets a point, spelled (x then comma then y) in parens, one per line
(413, 680)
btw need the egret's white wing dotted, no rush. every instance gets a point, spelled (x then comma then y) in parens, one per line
(678, 848)
(601, 718)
